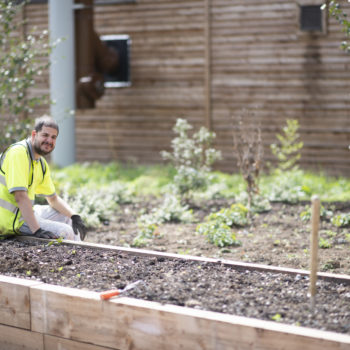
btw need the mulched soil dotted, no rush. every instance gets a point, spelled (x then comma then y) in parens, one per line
(199, 285)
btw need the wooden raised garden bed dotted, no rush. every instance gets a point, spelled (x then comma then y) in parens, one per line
(36, 315)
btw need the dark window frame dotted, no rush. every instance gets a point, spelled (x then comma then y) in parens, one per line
(310, 19)
(111, 80)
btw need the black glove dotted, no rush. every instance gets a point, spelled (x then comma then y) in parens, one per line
(78, 226)
(40, 233)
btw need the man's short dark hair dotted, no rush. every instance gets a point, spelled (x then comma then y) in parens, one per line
(47, 121)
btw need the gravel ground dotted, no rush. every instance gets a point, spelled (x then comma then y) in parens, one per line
(205, 286)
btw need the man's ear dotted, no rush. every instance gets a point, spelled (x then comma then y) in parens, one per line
(33, 134)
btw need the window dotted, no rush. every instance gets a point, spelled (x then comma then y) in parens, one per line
(121, 76)
(311, 18)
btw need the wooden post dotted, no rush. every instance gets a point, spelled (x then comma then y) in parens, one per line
(315, 219)
(207, 68)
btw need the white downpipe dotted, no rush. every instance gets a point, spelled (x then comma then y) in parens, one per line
(62, 79)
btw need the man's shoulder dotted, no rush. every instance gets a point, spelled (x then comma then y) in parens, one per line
(17, 148)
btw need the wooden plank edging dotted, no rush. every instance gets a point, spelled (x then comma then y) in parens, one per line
(340, 278)
(126, 323)
(15, 301)
(79, 316)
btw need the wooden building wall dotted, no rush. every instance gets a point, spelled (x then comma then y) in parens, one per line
(209, 61)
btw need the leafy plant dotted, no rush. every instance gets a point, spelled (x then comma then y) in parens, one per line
(287, 187)
(236, 215)
(218, 226)
(341, 220)
(276, 317)
(259, 203)
(171, 210)
(324, 214)
(324, 243)
(287, 151)
(336, 11)
(95, 205)
(23, 59)
(218, 233)
(192, 158)
(57, 241)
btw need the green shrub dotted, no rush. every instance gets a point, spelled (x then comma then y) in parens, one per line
(258, 203)
(171, 210)
(287, 151)
(324, 243)
(218, 226)
(341, 220)
(96, 204)
(325, 214)
(236, 215)
(192, 157)
(22, 61)
(287, 187)
(218, 233)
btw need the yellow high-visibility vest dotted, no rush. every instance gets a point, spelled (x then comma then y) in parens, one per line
(20, 171)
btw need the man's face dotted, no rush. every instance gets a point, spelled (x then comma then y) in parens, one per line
(44, 141)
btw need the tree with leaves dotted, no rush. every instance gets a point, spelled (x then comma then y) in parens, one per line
(336, 11)
(23, 58)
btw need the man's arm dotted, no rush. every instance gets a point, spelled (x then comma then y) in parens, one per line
(60, 205)
(25, 206)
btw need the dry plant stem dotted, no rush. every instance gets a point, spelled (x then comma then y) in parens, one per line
(248, 147)
(315, 220)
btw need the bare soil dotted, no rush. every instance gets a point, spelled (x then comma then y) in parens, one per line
(277, 238)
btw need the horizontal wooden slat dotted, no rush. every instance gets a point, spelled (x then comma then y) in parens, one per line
(259, 60)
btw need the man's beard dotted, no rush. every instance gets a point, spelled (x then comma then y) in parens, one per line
(40, 151)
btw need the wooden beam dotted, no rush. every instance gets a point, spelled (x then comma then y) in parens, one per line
(12, 338)
(126, 323)
(207, 68)
(14, 301)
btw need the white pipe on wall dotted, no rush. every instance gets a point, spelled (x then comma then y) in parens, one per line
(62, 79)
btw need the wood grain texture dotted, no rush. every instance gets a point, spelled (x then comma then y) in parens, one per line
(207, 61)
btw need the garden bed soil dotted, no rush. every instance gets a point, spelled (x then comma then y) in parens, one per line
(200, 285)
(277, 237)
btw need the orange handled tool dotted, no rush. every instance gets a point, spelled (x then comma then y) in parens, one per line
(114, 292)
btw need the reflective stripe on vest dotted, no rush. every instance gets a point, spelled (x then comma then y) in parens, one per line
(2, 180)
(6, 205)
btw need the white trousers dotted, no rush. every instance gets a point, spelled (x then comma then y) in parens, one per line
(51, 220)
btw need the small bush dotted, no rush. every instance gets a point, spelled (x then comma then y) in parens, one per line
(236, 215)
(287, 151)
(171, 210)
(288, 187)
(324, 243)
(96, 205)
(192, 158)
(325, 214)
(218, 233)
(341, 220)
(218, 226)
(258, 203)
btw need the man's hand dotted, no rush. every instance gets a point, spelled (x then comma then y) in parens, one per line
(78, 226)
(40, 233)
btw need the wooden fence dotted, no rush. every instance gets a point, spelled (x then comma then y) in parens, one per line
(211, 61)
